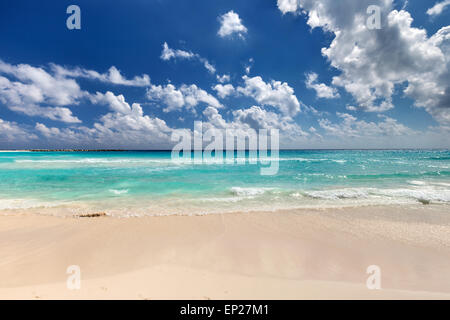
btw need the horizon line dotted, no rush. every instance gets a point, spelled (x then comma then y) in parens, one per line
(167, 150)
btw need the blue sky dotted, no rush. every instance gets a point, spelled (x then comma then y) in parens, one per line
(367, 88)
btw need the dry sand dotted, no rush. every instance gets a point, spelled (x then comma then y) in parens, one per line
(296, 254)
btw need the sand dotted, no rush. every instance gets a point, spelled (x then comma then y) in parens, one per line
(295, 254)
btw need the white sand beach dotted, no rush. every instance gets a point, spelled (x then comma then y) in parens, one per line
(295, 254)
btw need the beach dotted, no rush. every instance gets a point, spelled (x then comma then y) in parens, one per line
(225, 150)
(287, 254)
(139, 225)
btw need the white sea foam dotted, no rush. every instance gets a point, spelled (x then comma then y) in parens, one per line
(95, 161)
(417, 182)
(427, 194)
(249, 192)
(119, 191)
(339, 194)
(12, 204)
(390, 195)
(241, 199)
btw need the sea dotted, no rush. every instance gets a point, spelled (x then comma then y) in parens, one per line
(141, 183)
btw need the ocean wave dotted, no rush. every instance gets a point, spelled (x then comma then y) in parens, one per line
(424, 194)
(249, 192)
(170, 160)
(241, 200)
(13, 204)
(439, 158)
(417, 182)
(118, 191)
(376, 176)
(420, 192)
(94, 161)
(338, 194)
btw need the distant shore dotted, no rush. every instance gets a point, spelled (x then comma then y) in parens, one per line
(66, 150)
(167, 150)
(294, 254)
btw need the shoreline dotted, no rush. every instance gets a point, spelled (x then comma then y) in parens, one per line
(292, 254)
(75, 210)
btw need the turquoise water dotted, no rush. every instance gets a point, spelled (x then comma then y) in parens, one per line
(149, 183)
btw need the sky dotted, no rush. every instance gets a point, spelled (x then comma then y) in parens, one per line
(138, 71)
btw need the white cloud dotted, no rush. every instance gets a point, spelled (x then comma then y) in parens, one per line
(350, 132)
(286, 6)
(249, 66)
(169, 53)
(116, 103)
(52, 113)
(35, 85)
(438, 8)
(48, 132)
(253, 119)
(208, 65)
(276, 93)
(11, 132)
(184, 97)
(168, 94)
(61, 136)
(223, 78)
(351, 127)
(322, 90)
(113, 76)
(314, 133)
(224, 91)
(230, 24)
(35, 92)
(373, 63)
(214, 119)
(124, 127)
(258, 118)
(246, 122)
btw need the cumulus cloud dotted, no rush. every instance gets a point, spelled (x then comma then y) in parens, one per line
(115, 103)
(230, 24)
(37, 86)
(257, 118)
(275, 93)
(52, 113)
(186, 96)
(438, 8)
(351, 127)
(35, 92)
(322, 90)
(113, 76)
(224, 91)
(286, 6)
(347, 131)
(350, 132)
(11, 132)
(252, 120)
(374, 63)
(125, 126)
(61, 136)
(169, 53)
(223, 78)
